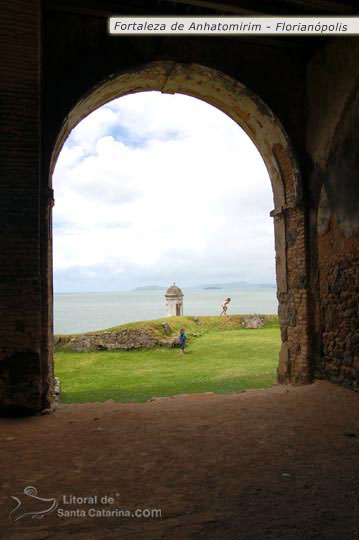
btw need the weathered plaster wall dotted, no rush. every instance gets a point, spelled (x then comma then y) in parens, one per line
(332, 141)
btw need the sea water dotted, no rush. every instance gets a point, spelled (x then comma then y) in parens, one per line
(85, 312)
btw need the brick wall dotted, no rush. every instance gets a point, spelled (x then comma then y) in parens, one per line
(21, 380)
(295, 362)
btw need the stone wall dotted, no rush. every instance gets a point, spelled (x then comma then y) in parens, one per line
(339, 313)
(24, 371)
(124, 339)
(133, 337)
(332, 142)
(295, 360)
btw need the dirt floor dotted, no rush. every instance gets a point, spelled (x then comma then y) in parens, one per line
(275, 464)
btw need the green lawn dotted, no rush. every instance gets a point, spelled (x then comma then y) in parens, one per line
(221, 361)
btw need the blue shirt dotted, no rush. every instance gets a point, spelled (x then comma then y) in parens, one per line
(182, 338)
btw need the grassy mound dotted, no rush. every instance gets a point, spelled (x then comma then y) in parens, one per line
(194, 326)
(221, 357)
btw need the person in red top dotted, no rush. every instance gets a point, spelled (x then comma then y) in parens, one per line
(225, 306)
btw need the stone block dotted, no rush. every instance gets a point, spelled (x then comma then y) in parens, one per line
(253, 322)
(287, 315)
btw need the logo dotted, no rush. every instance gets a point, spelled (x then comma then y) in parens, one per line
(32, 505)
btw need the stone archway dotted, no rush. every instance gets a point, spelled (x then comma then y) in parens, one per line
(266, 132)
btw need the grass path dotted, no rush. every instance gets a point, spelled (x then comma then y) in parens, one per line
(222, 362)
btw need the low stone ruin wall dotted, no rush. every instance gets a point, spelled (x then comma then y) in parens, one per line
(140, 337)
(126, 339)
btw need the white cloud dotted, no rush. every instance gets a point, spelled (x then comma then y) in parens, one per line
(156, 188)
(93, 127)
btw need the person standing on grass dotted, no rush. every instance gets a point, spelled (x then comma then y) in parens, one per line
(182, 340)
(225, 306)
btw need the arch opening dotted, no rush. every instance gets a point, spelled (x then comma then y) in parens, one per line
(266, 132)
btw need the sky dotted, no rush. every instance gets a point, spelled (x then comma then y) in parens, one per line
(154, 188)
